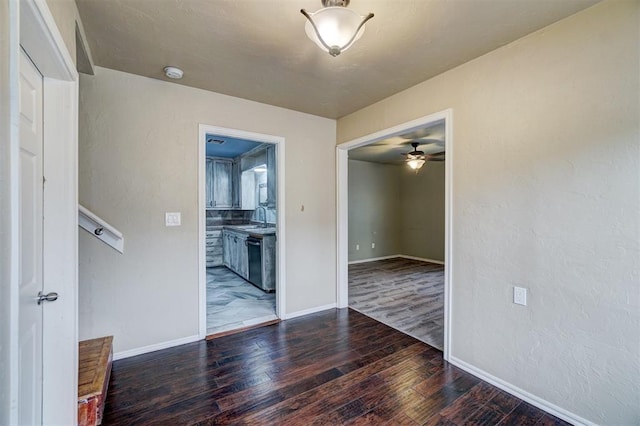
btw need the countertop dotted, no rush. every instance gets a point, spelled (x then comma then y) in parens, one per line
(255, 231)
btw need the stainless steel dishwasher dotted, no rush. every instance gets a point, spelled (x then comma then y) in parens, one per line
(254, 248)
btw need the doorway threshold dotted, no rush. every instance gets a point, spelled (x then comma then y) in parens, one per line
(241, 326)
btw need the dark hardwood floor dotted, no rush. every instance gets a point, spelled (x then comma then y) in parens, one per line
(331, 368)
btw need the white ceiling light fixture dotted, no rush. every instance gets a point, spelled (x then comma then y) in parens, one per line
(334, 28)
(174, 73)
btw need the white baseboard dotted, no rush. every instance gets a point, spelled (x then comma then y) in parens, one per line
(155, 347)
(373, 259)
(522, 394)
(310, 311)
(393, 256)
(421, 259)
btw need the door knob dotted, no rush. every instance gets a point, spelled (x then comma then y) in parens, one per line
(49, 297)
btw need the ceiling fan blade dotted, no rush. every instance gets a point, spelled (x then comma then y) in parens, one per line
(420, 133)
(434, 158)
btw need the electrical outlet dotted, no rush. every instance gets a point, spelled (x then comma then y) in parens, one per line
(357, 247)
(172, 219)
(520, 296)
(373, 245)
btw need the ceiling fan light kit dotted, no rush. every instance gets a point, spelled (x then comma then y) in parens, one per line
(415, 158)
(416, 163)
(334, 28)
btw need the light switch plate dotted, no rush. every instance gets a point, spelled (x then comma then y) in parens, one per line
(520, 296)
(172, 219)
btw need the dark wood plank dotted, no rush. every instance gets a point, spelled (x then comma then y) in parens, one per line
(468, 404)
(334, 367)
(549, 420)
(524, 414)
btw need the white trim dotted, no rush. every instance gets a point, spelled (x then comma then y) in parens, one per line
(279, 143)
(421, 259)
(156, 347)
(520, 393)
(309, 311)
(342, 222)
(448, 233)
(202, 235)
(91, 222)
(393, 256)
(342, 215)
(13, 226)
(41, 39)
(373, 259)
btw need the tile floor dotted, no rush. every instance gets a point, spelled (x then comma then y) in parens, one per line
(235, 303)
(405, 294)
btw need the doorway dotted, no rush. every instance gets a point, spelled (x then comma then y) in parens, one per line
(53, 367)
(241, 222)
(388, 263)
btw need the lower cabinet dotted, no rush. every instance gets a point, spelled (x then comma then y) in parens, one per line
(269, 262)
(214, 247)
(235, 256)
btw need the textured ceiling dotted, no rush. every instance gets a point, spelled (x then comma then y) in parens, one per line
(258, 50)
(227, 147)
(391, 150)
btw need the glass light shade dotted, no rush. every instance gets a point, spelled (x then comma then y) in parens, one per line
(415, 163)
(336, 26)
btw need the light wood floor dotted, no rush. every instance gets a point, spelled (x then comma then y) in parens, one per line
(405, 294)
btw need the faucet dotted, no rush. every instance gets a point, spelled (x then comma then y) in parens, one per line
(264, 216)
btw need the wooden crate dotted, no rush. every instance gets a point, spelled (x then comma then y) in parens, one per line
(95, 358)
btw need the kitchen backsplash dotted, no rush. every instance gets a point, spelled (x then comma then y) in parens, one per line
(236, 217)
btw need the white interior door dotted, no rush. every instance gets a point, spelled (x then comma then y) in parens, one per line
(31, 228)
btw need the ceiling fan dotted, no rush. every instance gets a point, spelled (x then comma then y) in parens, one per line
(416, 159)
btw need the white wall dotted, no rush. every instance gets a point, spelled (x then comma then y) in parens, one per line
(421, 223)
(401, 211)
(546, 195)
(374, 209)
(138, 159)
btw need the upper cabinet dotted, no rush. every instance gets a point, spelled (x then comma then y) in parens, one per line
(271, 176)
(219, 183)
(247, 182)
(235, 184)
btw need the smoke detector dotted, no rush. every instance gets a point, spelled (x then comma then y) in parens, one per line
(173, 72)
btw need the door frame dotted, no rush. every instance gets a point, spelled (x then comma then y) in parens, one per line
(278, 141)
(32, 26)
(342, 170)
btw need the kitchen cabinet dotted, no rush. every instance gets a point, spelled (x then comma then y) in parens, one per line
(214, 247)
(271, 176)
(269, 262)
(235, 184)
(235, 252)
(219, 183)
(248, 191)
